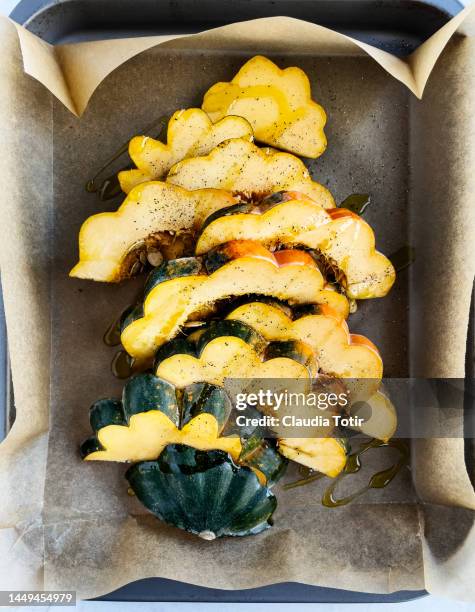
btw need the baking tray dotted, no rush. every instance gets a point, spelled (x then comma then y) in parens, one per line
(397, 26)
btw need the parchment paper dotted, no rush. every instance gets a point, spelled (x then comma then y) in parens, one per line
(82, 531)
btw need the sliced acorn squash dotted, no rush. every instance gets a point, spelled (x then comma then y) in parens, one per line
(343, 240)
(239, 166)
(203, 492)
(339, 353)
(154, 413)
(264, 460)
(190, 133)
(325, 455)
(289, 275)
(277, 103)
(110, 243)
(379, 414)
(231, 349)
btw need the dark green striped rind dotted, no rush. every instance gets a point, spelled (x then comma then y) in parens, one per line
(292, 349)
(203, 492)
(195, 345)
(244, 207)
(229, 327)
(174, 268)
(177, 346)
(89, 446)
(148, 392)
(205, 398)
(263, 455)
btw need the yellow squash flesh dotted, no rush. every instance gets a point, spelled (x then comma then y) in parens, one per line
(190, 133)
(105, 239)
(239, 166)
(348, 242)
(325, 455)
(227, 357)
(359, 365)
(379, 414)
(169, 304)
(277, 103)
(149, 432)
(325, 334)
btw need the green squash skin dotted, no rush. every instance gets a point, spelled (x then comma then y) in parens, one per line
(132, 315)
(279, 197)
(177, 346)
(247, 207)
(214, 329)
(229, 327)
(205, 398)
(263, 455)
(89, 446)
(106, 412)
(176, 488)
(256, 297)
(174, 268)
(216, 258)
(292, 349)
(148, 392)
(235, 209)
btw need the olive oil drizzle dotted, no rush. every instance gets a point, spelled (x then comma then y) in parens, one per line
(377, 481)
(403, 257)
(123, 365)
(112, 334)
(356, 202)
(109, 187)
(311, 477)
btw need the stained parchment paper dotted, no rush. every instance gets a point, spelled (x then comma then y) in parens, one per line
(68, 524)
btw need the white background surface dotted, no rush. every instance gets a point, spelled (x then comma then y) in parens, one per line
(426, 604)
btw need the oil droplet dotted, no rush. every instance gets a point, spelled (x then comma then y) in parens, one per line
(377, 481)
(356, 202)
(403, 257)
(122, 365)
(311, 476)
(109, 187)
(111, 336)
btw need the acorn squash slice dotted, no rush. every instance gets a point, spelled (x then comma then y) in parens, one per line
(190, 133)
(342, 239)
(339, 353)
(277, 103)
(203, 492)
(110, 243)
(239, 166)
(154, 413)
(230, 349)
(292, 276)
(325, 455)
(379, 414)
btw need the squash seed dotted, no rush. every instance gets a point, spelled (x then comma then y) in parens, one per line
(154, 257)
(207, 535)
